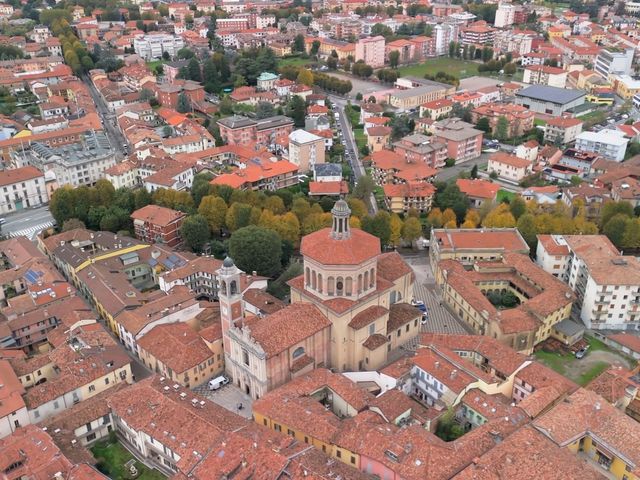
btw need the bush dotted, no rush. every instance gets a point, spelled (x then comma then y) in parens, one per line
(450, 162)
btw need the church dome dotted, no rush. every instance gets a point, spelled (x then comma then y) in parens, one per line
(227, 263)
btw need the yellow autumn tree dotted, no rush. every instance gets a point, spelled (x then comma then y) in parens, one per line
(449, 217)
(435, 218)
(395, 224)
(471, 219)
(500, 217)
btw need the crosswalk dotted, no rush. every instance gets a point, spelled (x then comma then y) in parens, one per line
(31, 232)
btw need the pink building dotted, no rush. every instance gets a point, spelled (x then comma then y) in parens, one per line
(371, 51)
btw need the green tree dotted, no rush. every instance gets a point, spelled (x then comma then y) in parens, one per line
(502, 128)
(193, 68)
(631, 237)
(296, 109)
(412, 229)
(298, 43)
(474, 171)
(184, 105)
(394, 58)
(484, 125)
(518, 207)
(238, 216)
(255, 248)
(364, 188)
(185, 54)
(72, 224)
(379, 225)
(265, 110)
(615, 228)
(195, 232)
(611, 209)
(61, 204)
(527, 228)
(315, 47)
(141, 198)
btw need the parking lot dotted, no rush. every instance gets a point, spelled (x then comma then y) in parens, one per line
(229, 397)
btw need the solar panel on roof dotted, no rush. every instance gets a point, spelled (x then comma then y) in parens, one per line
(153, 262)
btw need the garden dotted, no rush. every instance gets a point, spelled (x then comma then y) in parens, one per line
(114, 461)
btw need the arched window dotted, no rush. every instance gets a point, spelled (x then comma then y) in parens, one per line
(372, 277)
(234, 287)
(313, 280)
(298, 352)
(366, 281)
(360, 283)
(223, 287)
(339, 286)
(330, 285)
(393, 297)
(307, 276)
(348, 286)
(320, 286)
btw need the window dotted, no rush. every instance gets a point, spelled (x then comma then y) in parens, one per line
(92, 388)
(298, 352)
(123, 374)
(245, 357)
(407, 328)
(399, 332)
(339, 453)
(353, 460)
(91, 437)
(56, 405)
(36, 414)
(106, 381)
(372, 328)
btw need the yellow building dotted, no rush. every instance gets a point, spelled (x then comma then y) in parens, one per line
(537, 300)
(626, 86)
(595, 431)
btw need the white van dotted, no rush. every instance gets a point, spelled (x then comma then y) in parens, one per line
(218, 382)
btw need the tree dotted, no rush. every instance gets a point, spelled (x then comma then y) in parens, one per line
(200, 187)
(449, 216)
(435, 217)
(357, 207)
(527, 228)
(214, 210)
(265, 110)
(61, 204)
(611, 209)
(184, 105)
(395, 226)
(305, 77)
(166, 56)
(195, 232)
(509, 69)
(474, 171)
(411, 230)
(484, 125)
(255, 248)
(379, 226)
(298, 43)
(72, 224)
(185, 54)
(364, 188)
(499, 217)
(275, 205)
(631, 237)
(615, 229)
(315, 47)
(238, 215)
(394, 58)
(471, 219)
(287, 227)
(296, 109)
(502, 128)
(517, 206)
(193, 67)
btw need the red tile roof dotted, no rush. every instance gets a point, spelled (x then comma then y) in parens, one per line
(160, 216)
(358, 248)
(17, 175)
(478, 188)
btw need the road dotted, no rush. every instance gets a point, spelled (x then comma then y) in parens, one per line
(114, 135)
(350, 146)
(28, 222)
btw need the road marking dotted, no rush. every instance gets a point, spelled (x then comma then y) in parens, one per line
(31, 232)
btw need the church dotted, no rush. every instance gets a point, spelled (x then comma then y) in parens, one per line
(350, 309)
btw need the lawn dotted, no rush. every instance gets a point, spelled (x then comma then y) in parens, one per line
(154, 64)
(538, 122)
(295, 61)
(360, 137)
(504, 195)
(112, 458)
(452, 66)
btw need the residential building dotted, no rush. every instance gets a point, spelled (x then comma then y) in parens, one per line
(378, 138)
(509, 167)
(371, 50)
(471, 245)
(478, 190)
(479, 34)
(239, 130)
(412, 98)
(589, 198)
(580, 160)
(505, 15)
(436, 109)
(519, 119)
(258, 174)
(180, 354)
(391, 167)
(626, 86)
(463, 141)
(418, 148)
(13, 411)
(549, 100)
(626, 190)
(543, 300)
(22, 188)
(545, 75)
(306, 150)
(152, 46)
(402, 197)
(611, 144)
(614, 62)
(562, 130)
(606, 283)
(155, 224)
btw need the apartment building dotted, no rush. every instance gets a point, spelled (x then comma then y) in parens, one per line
(22, 188)
(605, 282)
(611, 144)
(414, 92)
(545, 75)
(306, 150)
(509, 167)
(240, 130)
(562, 130)
(478, 191)
(155, 224)
(371, 50)
(152, 46)
(479, 34)
(418, 148)
(507, 14)
(614, 62)
(463, 141)
(412, 195)
(519, 119)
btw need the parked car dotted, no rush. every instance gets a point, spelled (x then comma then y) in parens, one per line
(582, 352)
(218, 382)
(425, 319)
(419, 304)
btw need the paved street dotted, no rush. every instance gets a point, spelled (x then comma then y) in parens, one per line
(453, 172)
(116, 138)
(229, 397)
(28, 222)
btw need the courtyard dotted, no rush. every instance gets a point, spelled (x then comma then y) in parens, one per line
(114, 461)
(599, 358)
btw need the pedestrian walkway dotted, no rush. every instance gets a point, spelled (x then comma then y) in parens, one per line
(440, 320)
(31, 233)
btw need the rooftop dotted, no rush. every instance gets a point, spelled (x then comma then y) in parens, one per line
(556, 95)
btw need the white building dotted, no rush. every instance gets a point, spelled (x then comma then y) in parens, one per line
(443, 34)
(505, 15)
(614, 62)
(606, 283)
(305, 150)
(509, 167)
(545, 75)
(152, 46)
(22, 188)
(611, 144)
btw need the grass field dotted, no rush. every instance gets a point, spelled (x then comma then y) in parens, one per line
(153, 65)
(504, 195)
(295, 61)
(452, 66)
(112, 458)
(360, 137)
